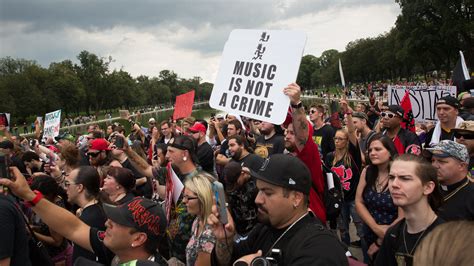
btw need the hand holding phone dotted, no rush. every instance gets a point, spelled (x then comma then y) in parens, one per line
(4, 166)
(219, 194)
(119, 142)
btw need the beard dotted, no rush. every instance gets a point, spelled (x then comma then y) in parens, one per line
(262, 216)
(289, 146)
(237, 154)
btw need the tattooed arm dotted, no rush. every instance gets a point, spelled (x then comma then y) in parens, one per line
(300, 123)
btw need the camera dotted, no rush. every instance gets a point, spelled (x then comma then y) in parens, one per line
(272, 259)
(4, 165)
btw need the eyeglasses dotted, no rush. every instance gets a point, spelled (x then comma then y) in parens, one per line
(188, 198)
(93, 154)
(459, 135)
(339, 139)
(312, 111)
(384, 114)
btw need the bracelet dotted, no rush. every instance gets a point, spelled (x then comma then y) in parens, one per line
(377, 243)
(39, 196)
(298, 105)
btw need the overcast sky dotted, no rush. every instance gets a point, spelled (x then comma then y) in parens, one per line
(186, 36)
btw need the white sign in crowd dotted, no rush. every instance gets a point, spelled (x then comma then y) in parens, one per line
(423, 99)
(52, 123)
(256, 66)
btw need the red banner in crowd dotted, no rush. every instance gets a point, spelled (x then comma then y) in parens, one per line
(408, 121)
(184, 105)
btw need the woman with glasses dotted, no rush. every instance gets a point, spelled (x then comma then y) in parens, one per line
(414, 188)
(198, 199)
(373, 201)
(345, 162)
(119, 184)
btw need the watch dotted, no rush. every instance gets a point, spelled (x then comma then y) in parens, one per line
(298, 105)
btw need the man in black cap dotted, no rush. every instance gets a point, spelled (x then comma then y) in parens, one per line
(447, 110)
(134, 230)
(404, 140)
(288, 233)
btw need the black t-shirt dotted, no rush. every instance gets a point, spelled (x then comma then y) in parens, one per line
(205, 156)
(308, 242)
(13, 235)
(399, 245)
(93, 216)
(324, 138)
(444, 135)
(145, 190)
(127, 198)
(458, 201)
(252, 161)
(267, 147)
(349, 176)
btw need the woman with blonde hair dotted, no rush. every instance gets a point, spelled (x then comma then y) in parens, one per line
(448, 244)
(346, 162)
(198, 199)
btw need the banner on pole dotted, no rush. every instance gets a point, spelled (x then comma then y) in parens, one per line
(423, 99)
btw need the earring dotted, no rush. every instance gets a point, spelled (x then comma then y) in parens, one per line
(117, 187)
(185, 158)
(133, 245)
(295, 206)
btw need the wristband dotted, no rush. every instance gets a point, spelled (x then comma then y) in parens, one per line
(298, 105)
(39, 196)
(376, 243)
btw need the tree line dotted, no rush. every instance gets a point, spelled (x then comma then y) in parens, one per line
(426, 37)
(28, 89)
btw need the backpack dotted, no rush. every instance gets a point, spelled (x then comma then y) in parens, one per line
(333, 196)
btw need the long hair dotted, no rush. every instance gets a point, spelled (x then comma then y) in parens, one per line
(372, 171)
(427, 173)
(346, 157)
(201, 184)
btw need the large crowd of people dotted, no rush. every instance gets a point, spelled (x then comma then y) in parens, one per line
(155, 195)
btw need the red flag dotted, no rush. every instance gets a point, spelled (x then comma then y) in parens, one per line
(184, 105)
(408, 121)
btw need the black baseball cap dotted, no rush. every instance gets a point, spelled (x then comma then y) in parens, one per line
(142, 214)
(396, 109)
(285, 171)
(449, 100)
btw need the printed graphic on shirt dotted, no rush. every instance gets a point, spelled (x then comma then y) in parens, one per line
(344, 175)
(262, 150)
(318, 140)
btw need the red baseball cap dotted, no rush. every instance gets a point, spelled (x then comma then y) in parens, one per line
(197, 127)
(99, 145)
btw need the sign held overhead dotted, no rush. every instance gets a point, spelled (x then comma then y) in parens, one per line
(256, 65)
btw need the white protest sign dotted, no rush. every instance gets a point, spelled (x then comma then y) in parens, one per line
(423, 99)
(177, 186)
(52, 123)
(256, 66)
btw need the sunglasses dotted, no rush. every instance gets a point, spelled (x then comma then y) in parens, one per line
(312, 111)
(384, 114)
(459, 135)
(93, 154)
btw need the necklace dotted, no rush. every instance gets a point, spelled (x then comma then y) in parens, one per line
(287, 229)
(379, 186)
(419, 237)
(450, 195)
